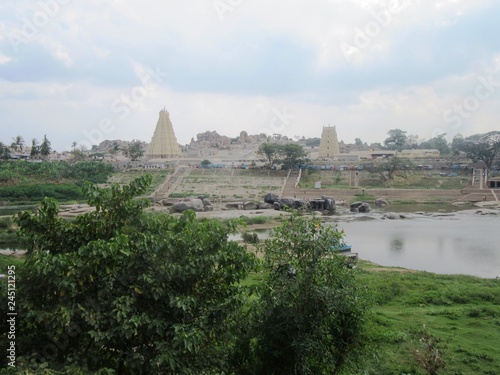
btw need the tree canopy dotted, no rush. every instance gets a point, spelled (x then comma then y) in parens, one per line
(397, 139)
(479, 147)
(116, 289)
(288, 155)
(311, 312)
(135, 150)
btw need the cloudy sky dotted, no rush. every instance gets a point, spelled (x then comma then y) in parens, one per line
(91, 70)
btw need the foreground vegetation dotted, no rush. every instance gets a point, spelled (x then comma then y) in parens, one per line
(419, 317)
(117, 291)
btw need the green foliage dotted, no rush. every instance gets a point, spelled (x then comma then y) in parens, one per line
(250, 237)
(26, 172)
(205, 163)
(4, 151)
(462, 311)
(137, 293)
(397, 139)
(38, 192)
(249, 220)
(45, 147)
(394, 165)
(135, 150)
(479, 147)
(293, 155)
(310, 315)
(438, 143)
(271, 151)
(312, 142)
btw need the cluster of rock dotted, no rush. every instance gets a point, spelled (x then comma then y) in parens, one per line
(199, 204)
(212, 139)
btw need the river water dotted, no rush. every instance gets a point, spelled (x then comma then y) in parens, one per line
(458, 243)
(444, 240)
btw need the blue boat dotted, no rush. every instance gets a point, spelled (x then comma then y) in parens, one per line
(343, 248)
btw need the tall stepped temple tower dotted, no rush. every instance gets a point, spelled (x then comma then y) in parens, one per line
(329, 144)
(164, 143)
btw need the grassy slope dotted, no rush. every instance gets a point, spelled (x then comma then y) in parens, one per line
(463, 312)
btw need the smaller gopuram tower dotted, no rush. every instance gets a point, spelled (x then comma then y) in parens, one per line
(164, 143)
(329, 144)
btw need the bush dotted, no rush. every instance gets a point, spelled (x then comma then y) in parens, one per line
(250, 237)
(311, 312)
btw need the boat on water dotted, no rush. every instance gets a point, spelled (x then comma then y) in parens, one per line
(343, 248)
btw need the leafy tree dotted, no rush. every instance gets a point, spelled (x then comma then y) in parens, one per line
(78, 155)
(135, 150)
(271, 151)
(45, 148)
(311, 312)
(438, 143)
(358, 142)
(413, 142)
(397, 139)
(311, 142)
(119, 290)
(479, 147)
(35, 149)
(293, 155)
(4, 151)
(388, 169)
(205, 163)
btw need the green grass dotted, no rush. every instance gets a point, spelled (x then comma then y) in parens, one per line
(462, 312)
(254, 219)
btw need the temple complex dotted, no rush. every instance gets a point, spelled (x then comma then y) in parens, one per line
(329, 144)
(164, 143)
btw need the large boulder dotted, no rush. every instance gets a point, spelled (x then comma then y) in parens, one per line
(168, 202)
(360, 207)
(233, 206)
(289, 202)
(194, 204)
(365, 207)
(271, 198)
(381, 202)
(249, 205)
(264, 206)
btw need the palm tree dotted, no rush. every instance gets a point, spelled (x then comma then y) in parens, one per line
(35, 149)
(18, 143)
(45, 147)
(73, 145)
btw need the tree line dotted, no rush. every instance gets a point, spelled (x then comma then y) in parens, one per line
(18, 145)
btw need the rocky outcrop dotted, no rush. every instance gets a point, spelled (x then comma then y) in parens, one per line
(271, 198)
(195, 204)
(288, 202)
(360, 207)
(249, 205)
(381, 202)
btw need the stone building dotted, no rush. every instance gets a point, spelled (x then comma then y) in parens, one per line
(329, 144)
(164, 143)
